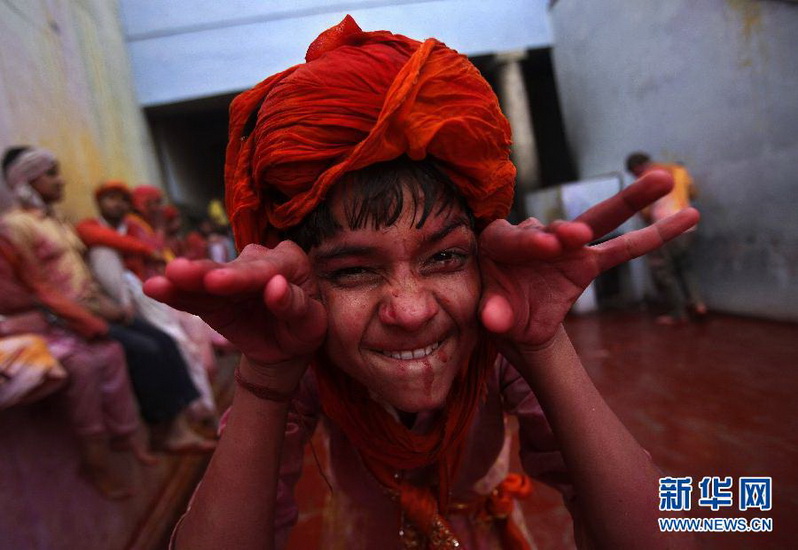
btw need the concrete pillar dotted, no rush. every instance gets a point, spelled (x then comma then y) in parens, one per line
(513, 98)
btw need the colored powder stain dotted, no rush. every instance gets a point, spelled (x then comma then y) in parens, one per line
(443, 356)
(750, 15)
(429, 377)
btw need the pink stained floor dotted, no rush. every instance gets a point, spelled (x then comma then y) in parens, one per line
(716, 398)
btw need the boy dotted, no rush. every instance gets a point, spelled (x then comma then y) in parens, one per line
(378, 173)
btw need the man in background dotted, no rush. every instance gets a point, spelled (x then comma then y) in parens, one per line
(671, 265)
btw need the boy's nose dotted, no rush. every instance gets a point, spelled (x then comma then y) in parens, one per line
(408, 304)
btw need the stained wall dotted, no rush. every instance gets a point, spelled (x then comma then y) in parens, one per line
(65, 84)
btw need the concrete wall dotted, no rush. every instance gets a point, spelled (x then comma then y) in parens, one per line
(710, 83)
(65, 84)
(187, 49)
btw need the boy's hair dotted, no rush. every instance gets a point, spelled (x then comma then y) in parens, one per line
(376, 199)
(636, 159)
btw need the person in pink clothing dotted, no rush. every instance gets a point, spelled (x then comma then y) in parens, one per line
(98, 395)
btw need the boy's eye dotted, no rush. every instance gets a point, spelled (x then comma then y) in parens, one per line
(350, 276)
(448, 259)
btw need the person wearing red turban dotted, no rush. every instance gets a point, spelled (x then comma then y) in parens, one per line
(146, 223)
(367, 188)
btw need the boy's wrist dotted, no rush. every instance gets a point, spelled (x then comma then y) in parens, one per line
(533, 356)
(281, 378)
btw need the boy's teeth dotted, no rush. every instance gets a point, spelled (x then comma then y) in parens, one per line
(412, 354)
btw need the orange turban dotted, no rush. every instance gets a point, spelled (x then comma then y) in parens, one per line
(362, 98)
(112, 185)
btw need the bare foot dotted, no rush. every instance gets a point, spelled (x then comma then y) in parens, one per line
(180, 438)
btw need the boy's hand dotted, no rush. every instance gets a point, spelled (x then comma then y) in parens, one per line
(260, 301)
(532, 274)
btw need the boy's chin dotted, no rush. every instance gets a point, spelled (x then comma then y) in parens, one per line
(417, 402)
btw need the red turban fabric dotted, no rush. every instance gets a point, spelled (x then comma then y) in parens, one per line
(170, 212)
(144, 193)
(362, 98)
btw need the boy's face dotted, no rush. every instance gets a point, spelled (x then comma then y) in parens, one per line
(401, 303)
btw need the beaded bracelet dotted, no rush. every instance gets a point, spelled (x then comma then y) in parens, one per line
(262, 391)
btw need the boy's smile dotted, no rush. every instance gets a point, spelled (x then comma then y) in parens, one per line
(401, 303)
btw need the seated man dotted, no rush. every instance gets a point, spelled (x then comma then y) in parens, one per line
(108, 242)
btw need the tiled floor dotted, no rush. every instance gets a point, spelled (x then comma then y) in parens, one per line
(710, 399)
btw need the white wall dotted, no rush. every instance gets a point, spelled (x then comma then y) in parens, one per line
(188, 49)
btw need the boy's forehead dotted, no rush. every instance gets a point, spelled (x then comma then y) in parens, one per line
(406, 229)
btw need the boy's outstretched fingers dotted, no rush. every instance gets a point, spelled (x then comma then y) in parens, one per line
(159, 288)
(189, 275)
(642, 241)
(609, 214)
(516, 244)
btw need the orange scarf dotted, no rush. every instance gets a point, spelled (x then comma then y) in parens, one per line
(387, 447)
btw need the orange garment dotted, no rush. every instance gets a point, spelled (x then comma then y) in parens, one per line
(139, 228)
(497, 507)
(679, 197)
(362, 98)
(26, 365)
